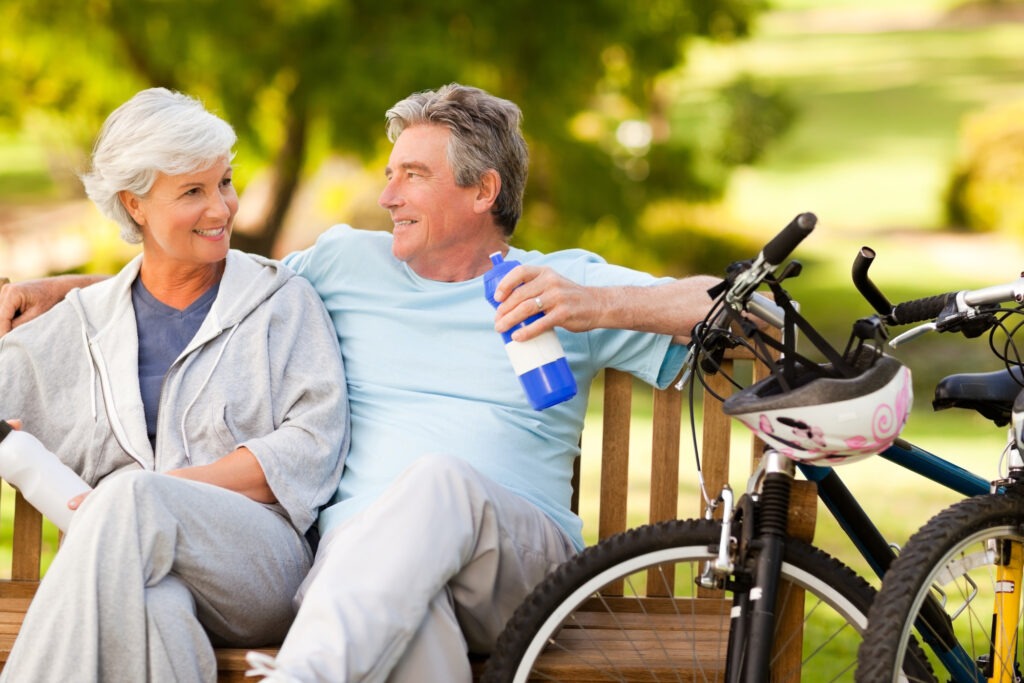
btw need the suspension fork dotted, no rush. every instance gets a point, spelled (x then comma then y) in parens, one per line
(1006, 611)
(1009, 557)
(771, 537)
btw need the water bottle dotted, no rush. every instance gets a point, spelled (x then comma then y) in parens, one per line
(540, 362)
(45, 482)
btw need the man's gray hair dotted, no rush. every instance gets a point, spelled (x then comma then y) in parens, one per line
(485, 134)
(156, 131)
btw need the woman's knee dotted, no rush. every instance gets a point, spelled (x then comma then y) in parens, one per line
(125, 494)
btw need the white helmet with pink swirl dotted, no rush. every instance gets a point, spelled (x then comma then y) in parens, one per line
(827, 420)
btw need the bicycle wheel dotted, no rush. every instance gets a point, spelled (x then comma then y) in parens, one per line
(663, 627)
(952, 559)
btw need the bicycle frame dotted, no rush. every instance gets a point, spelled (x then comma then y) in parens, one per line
(851, 516)
(754, 614)
(873, 546)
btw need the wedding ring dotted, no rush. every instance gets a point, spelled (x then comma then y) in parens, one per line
(540, 304)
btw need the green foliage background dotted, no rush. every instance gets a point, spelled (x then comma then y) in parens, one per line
(308, 79)
(747, 113)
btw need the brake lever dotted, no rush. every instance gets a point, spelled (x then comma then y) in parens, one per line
(913, 333)
(684, 378)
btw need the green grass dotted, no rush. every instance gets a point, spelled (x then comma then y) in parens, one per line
(879, 108)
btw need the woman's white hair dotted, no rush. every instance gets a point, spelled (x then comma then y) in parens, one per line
(156, 131)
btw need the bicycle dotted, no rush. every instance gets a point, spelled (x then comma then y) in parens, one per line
(675, 577)
(956, 585)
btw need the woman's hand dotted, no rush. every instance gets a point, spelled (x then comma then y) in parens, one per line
(76, 502)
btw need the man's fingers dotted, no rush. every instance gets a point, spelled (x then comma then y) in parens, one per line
(6, 312)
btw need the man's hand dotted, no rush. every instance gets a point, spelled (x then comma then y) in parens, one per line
(528, 290)
(23, 301)
(20, 302)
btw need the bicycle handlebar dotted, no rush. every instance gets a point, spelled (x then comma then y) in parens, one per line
(963, 311)
(967, 311)
(783, 244)
(737, 291)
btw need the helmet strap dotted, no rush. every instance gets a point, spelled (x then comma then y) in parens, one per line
(790, 358)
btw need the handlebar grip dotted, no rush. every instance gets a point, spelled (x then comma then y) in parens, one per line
(783, 244)
(919, 310)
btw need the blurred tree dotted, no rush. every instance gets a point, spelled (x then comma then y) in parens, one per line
(300, 78)
(984, 190)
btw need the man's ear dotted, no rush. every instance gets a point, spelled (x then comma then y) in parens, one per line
(487, 190)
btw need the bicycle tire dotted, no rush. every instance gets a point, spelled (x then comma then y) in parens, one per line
(948, 550)
(531, 647)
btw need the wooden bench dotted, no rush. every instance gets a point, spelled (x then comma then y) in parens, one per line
(669, 410)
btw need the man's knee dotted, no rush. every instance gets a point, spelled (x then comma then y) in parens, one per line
(442, 470)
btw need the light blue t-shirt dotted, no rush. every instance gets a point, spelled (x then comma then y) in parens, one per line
(427, 373)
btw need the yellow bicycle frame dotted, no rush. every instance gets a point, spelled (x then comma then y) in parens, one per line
(1006, 609)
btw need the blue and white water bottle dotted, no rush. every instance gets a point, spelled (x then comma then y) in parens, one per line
(540, 362)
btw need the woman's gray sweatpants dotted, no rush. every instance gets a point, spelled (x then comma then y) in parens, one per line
(433, 568)
(153, 568)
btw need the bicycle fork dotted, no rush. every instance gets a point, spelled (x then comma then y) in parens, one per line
(1009, 561)
(752, 626)
(1006, 611)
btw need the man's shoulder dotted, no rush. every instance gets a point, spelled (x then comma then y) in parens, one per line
(563, 258)
(342, 234)
(338, 246)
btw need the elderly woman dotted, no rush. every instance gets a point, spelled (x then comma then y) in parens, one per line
(201, 392)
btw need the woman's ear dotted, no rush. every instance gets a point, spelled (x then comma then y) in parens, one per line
(131, 204)
(487, 190)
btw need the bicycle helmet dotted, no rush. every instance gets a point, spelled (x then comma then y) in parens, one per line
(828, 421)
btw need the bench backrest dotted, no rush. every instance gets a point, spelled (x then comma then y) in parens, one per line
(619, 390)
(666, 434)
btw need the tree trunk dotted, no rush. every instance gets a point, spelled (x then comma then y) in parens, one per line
(286, 175)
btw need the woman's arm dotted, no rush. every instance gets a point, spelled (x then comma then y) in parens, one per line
(237, 471)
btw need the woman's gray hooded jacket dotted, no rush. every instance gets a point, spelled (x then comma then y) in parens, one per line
(263, 371)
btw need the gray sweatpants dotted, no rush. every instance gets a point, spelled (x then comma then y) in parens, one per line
(152, 569)
(432, 569)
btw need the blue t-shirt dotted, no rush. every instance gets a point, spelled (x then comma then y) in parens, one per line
(164, 332)
(427, 373)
